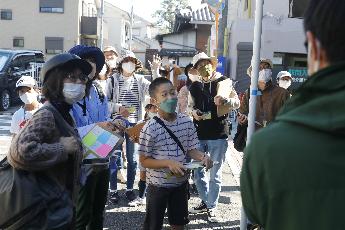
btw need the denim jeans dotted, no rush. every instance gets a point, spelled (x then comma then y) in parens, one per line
(114, 165)
(209, 192)
(132, 161)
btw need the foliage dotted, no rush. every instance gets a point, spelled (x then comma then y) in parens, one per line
(166, 14)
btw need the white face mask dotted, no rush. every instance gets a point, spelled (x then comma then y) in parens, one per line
(265, 75)
(193, 77)
(28, 98)
(93, 71)
(284, 83)
(129, 67)
(112, 63)
(151, 114)
(73, 92)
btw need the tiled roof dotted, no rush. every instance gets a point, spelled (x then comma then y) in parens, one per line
(203, 14)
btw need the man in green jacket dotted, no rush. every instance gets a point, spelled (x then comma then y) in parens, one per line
(293, 175)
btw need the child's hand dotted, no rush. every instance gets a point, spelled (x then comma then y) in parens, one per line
(176, 167)
(207, 162)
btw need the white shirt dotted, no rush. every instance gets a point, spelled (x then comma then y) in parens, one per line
(20, 118)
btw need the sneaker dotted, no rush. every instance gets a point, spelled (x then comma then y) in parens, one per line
(137, 202)
(120, 177)
(199, 208)
(130, 195)
(211, 215)
(114, 197)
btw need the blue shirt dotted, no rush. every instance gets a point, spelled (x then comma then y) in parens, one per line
(91, 109)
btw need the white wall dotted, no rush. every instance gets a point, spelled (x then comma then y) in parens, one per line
(115, 19)
(287, 37)
(34, 26)
(178, 40)
(183, 61)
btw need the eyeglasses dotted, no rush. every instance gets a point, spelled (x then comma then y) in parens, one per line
(82, 77)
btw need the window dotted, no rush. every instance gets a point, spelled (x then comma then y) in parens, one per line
(6, 14)
(136, 32)
(18, 42)
(297, 8)
(52, 6)
(54, 45)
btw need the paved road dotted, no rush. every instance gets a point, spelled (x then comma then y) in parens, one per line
(5, 135)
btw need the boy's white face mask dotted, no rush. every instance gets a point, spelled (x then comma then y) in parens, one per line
(28, 97)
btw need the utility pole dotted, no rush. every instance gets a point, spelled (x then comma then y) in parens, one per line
(131, 28)
(253, 84)
(101, 32)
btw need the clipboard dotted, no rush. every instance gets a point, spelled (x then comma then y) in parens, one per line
(98, 141)
(224, 89)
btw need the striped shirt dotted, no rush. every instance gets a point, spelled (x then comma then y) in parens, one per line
(129, 97)
(155, 142)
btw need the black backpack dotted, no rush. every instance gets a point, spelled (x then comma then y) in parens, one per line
(25, 196)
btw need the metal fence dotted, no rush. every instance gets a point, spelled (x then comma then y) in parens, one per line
(35, 72)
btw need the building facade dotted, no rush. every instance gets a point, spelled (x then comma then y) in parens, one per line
(282, 38)
(52, 26)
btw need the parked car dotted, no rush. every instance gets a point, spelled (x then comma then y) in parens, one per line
(14, 64)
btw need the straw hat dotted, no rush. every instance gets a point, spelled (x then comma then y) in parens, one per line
(202, 56)
(110, 49)
(262, 60)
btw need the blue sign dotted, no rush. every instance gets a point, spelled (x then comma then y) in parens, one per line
(221, 64)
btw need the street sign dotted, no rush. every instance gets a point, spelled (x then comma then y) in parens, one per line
(221, 65)
(299, 75)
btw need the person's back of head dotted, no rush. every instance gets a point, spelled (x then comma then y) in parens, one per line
(325, 31)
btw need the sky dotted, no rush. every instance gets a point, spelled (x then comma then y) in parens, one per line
(145, 8)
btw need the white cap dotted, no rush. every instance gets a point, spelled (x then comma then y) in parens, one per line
(283, 74)
(27, 81)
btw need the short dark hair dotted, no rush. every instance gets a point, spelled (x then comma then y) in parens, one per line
(53, 86)
(325, 19)
(156, 83)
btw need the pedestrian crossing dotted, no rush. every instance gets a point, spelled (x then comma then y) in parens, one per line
(5, 135)
(5, 124)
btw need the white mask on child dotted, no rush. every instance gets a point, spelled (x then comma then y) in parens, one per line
(28, 98)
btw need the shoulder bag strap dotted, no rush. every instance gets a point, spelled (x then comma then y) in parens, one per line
(159, 121)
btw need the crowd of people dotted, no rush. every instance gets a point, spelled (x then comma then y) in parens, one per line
(182, 120)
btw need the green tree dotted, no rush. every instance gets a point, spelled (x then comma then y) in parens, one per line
(166, 15)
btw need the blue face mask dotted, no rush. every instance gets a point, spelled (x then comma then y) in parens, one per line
(169, 105)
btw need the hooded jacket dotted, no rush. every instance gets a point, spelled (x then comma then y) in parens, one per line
(293, 170)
